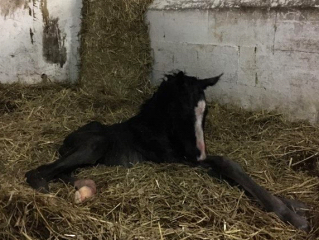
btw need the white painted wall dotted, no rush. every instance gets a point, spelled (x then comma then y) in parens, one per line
(22, 59)
(270, 56)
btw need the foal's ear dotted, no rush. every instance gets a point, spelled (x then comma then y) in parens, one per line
(176, 77)
(204, 83)
(180, 78)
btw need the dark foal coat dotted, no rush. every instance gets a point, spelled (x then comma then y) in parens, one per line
(168, 128)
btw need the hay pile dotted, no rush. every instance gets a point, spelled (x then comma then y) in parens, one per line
(147, 201)
(115, 47)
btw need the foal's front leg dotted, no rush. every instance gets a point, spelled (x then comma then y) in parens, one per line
(271, 203)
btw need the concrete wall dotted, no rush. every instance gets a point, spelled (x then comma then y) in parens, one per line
(39, 38)
(268, 50)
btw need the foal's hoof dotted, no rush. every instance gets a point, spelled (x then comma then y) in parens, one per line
(86, 189)
(36, 181)
(83, 194)
(296, 220)
(298, 207)
(301, 212)
(303, 225)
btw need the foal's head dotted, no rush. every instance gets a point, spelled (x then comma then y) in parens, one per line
(186, 111)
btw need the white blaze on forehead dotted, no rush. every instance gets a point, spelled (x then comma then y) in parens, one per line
(199, 114)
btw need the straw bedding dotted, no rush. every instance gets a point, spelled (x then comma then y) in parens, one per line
(147, 201)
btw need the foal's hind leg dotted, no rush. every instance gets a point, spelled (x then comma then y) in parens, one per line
(79, 137)
(87, 155)
(233, 171)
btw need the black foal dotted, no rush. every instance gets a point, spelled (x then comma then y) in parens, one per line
(168, 128)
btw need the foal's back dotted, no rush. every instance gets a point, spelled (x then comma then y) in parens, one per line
(116, 140)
